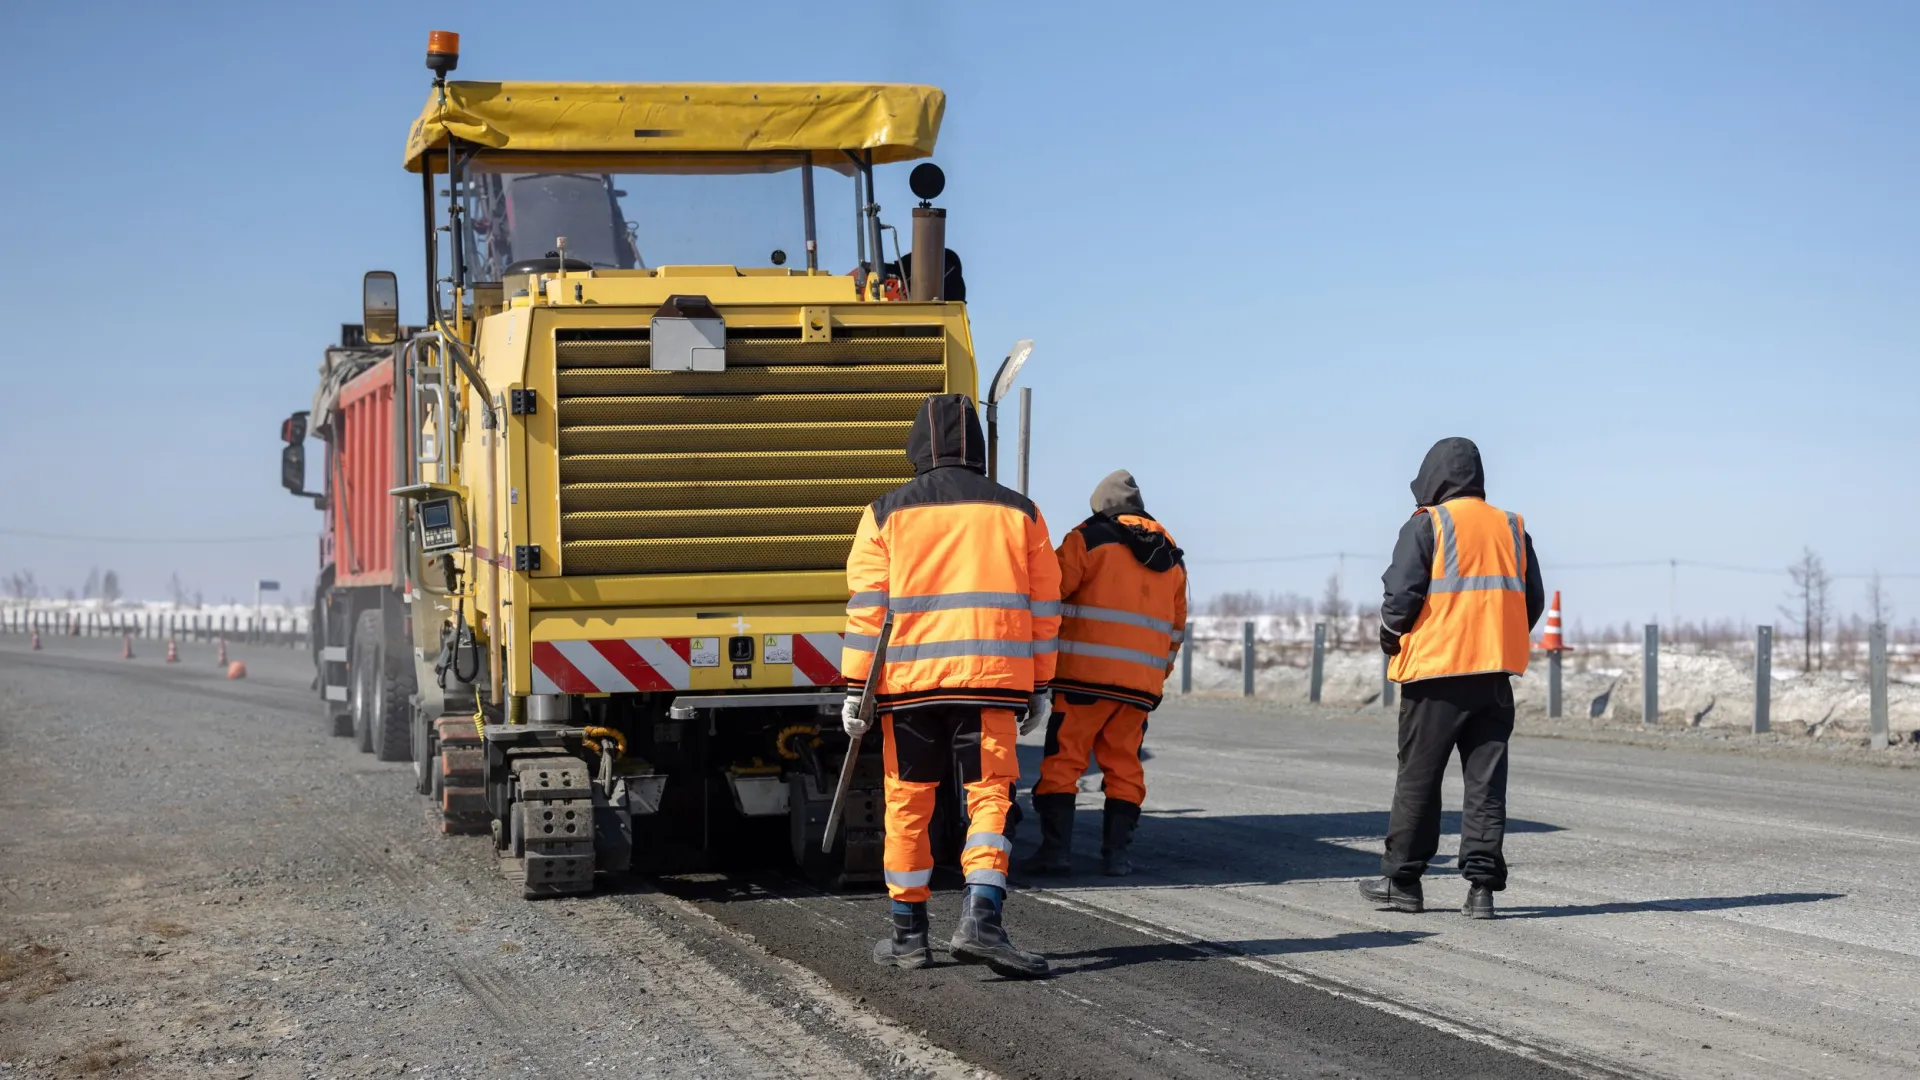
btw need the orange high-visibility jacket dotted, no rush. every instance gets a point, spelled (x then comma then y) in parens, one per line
(1125, 610)
(965, 568)
(1474, 620)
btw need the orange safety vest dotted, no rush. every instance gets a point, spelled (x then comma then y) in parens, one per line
(1474, 620)
(1122, 622)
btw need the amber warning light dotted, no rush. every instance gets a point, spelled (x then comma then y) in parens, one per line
(443, 51)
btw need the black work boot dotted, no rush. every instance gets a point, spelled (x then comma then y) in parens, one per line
(1117, 836)
(1056, 836)
(908, 947)
(980, 939)
(1479, 903)
(1400, 896)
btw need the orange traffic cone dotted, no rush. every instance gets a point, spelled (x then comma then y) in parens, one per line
(221, 658)
(1551, 641)
(126, 646)
(36, 641)
(173, 651)
(236, 670)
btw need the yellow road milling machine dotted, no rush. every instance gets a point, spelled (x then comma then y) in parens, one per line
(641, 436)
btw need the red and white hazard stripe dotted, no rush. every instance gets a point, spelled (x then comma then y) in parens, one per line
(618, 666)
(816, 660)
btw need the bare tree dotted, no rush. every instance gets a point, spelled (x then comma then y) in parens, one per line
(110, 587)
(176, 591)
(1879, 607)
(21, 586)
(1809, 604)
(1334, 608)
(92, 588)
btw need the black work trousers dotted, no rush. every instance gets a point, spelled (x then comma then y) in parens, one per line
(1474, 715)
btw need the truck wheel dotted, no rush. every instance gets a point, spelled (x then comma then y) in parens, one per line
(392, 709)
(363, 677)
(426, 755)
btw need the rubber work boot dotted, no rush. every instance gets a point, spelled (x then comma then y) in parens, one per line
(1055, 856)
(980, 939)
(1117, 836)
(1479, 903)
(908, 947)
(1400, 896)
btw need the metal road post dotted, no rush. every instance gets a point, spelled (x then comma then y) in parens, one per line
(1319, 661)
(1650, 688)
(1186, 662)
(1553, 685)
(1386, 681)
(1246, 658)
(1026, 433)
(1762, 680)
(1877, 683)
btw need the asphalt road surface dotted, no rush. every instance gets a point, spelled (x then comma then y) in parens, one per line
(196, 878)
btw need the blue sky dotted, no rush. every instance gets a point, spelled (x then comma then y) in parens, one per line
(1659, 259)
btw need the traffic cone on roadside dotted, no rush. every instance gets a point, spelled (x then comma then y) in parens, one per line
(221, 658)
(173, 651)
(1551, 641)
(236, 670)
(126, 646)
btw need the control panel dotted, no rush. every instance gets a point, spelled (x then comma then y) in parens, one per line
(442, 526)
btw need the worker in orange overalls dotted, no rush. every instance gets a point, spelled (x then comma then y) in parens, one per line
(1124, 620)
(1462, 595)
(966, 571)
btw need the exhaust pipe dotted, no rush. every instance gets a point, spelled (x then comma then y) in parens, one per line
(929, 255)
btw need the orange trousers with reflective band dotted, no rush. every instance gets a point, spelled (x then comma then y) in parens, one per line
(920, 746)
(1111, 732)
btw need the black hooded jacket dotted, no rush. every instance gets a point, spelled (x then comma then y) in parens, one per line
(949, 456)
(1451, 470)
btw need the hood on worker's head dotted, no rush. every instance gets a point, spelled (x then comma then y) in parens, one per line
(1451, 470)
(947, 432)
(1118, 494)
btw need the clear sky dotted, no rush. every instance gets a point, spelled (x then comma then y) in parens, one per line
(1658, 258)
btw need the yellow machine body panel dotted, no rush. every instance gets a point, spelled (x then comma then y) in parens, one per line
(636, 504)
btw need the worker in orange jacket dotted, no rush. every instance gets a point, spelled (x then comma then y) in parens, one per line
(1124, 621)
(966, 571)
(1462, 595)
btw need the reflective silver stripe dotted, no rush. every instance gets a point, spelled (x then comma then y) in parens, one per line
(1114, 652)
(1477, 583)
(859, 643)
(1519, 547)
(1050, 645)
(1448, 546)
(951, 601)
(1046, 609)
(861, 600)
(987, 877)
(1178, 637)
(940, 650)
(909, 879)
(989, 839)
(1115, 615)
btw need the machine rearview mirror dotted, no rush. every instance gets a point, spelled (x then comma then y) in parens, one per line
(293, 467)
(380, 307)
(294, 428)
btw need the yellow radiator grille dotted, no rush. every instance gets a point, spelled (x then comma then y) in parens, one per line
(762, 467)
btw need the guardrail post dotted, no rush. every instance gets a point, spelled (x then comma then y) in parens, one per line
(1186, 662)
(1553, 685)
(1246, 658)
(1763, 680)
(1650, 680)
(1386, 682)
(1319, 661)
(1877, 683)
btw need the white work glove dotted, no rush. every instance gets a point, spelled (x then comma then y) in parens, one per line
(850, 721)
(1039, 708)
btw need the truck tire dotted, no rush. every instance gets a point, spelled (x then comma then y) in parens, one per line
(393, 709)
(364, 677)
(426, 752)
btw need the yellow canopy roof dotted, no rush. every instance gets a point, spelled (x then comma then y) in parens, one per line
(557, 124)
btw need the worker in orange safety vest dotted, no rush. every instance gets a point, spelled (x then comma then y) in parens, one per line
(1124, 616)
(1462, 595)
(967, 573)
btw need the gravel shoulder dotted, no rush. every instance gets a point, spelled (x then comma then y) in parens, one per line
(196, 881)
